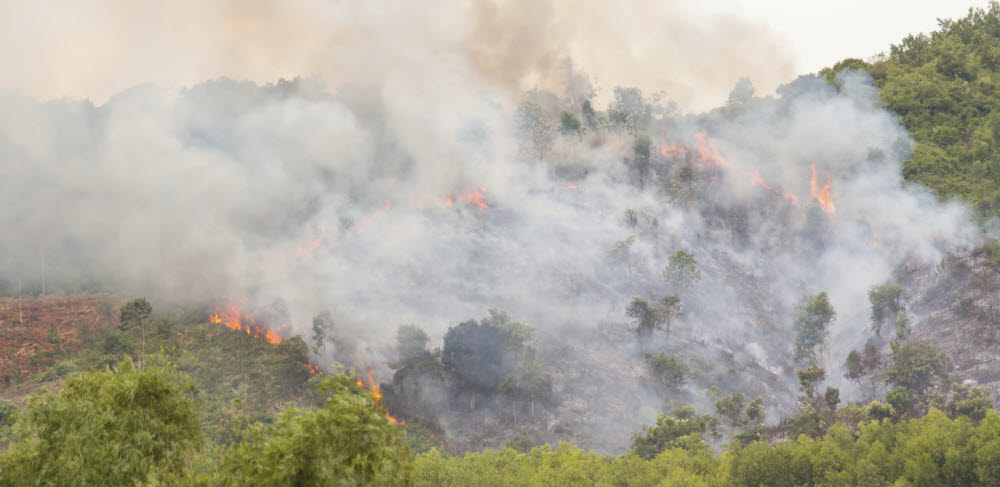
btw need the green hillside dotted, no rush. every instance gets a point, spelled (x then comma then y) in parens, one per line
(946, 87)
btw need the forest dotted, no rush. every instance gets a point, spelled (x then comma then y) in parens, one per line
(555, 289)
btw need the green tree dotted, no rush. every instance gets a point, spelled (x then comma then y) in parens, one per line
(861, 366)
(916, 366)
(322, 327)
(621, 252)
(888, 301)
(642, 149)
(813, 316)
(731, 408)
(475, 353)
(673, 432)
(539, 390)
(569, 125)
(629, 109)
(411, 343)
(646, 318)
(509, 389)
(535, 128)
(968, 401)
(682, 271)
(668, 371)
(348, 441)
(120, 427)
(937, 84)
(809, 380)
(134, 313)
(831, 399)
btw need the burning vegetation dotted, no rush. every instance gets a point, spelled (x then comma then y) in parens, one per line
(678, 268)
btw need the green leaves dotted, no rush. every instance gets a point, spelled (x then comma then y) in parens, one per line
(134, 312)
(346, 442)
(943, 86)
(106, 428)
(813, 316)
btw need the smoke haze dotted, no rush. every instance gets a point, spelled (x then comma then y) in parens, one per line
(96, 48)
(389, 187)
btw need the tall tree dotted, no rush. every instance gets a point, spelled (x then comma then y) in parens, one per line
(888, 302)
(629, 109)
(134, 313)
(813, 317)
(322, 328)
(411, 343)
(682, 271)
(536, 129)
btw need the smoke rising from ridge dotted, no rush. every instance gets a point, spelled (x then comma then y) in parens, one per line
(96, 48)
(362, 190)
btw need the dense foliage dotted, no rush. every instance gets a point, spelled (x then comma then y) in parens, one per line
(105, 428)
(932, 450)
(944, 87)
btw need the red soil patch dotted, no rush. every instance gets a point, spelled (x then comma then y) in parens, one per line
(26, 345)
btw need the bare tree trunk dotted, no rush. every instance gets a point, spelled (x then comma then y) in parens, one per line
(43, 274)
(20, 313)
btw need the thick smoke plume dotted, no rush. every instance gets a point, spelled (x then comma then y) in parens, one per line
(97, 48)
(394, 188)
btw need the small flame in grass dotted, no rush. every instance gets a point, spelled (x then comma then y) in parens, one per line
(377, 395)
(822, 195)
(231, 317)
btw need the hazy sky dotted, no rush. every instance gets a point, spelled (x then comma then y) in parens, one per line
(696, 53)
(821, 33)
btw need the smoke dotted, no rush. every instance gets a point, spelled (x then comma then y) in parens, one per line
(97, 48)
(361, 189)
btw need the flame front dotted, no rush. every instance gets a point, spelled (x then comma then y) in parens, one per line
(234, 319)
(712, 159)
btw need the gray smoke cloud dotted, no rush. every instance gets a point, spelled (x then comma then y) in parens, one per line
(97, 48)
(332, 192)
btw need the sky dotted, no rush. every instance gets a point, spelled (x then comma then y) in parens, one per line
(821, 33)
(97, 48)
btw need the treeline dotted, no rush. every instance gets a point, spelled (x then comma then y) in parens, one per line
(932, 450)
(944, 88)
(131, 426)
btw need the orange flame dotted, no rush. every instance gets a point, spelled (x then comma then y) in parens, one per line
(569, 186)
(821, 195)
(234, 319)
(313, 369)
(477, 198)
(375, 393)
(711, 158)
(378, 397)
